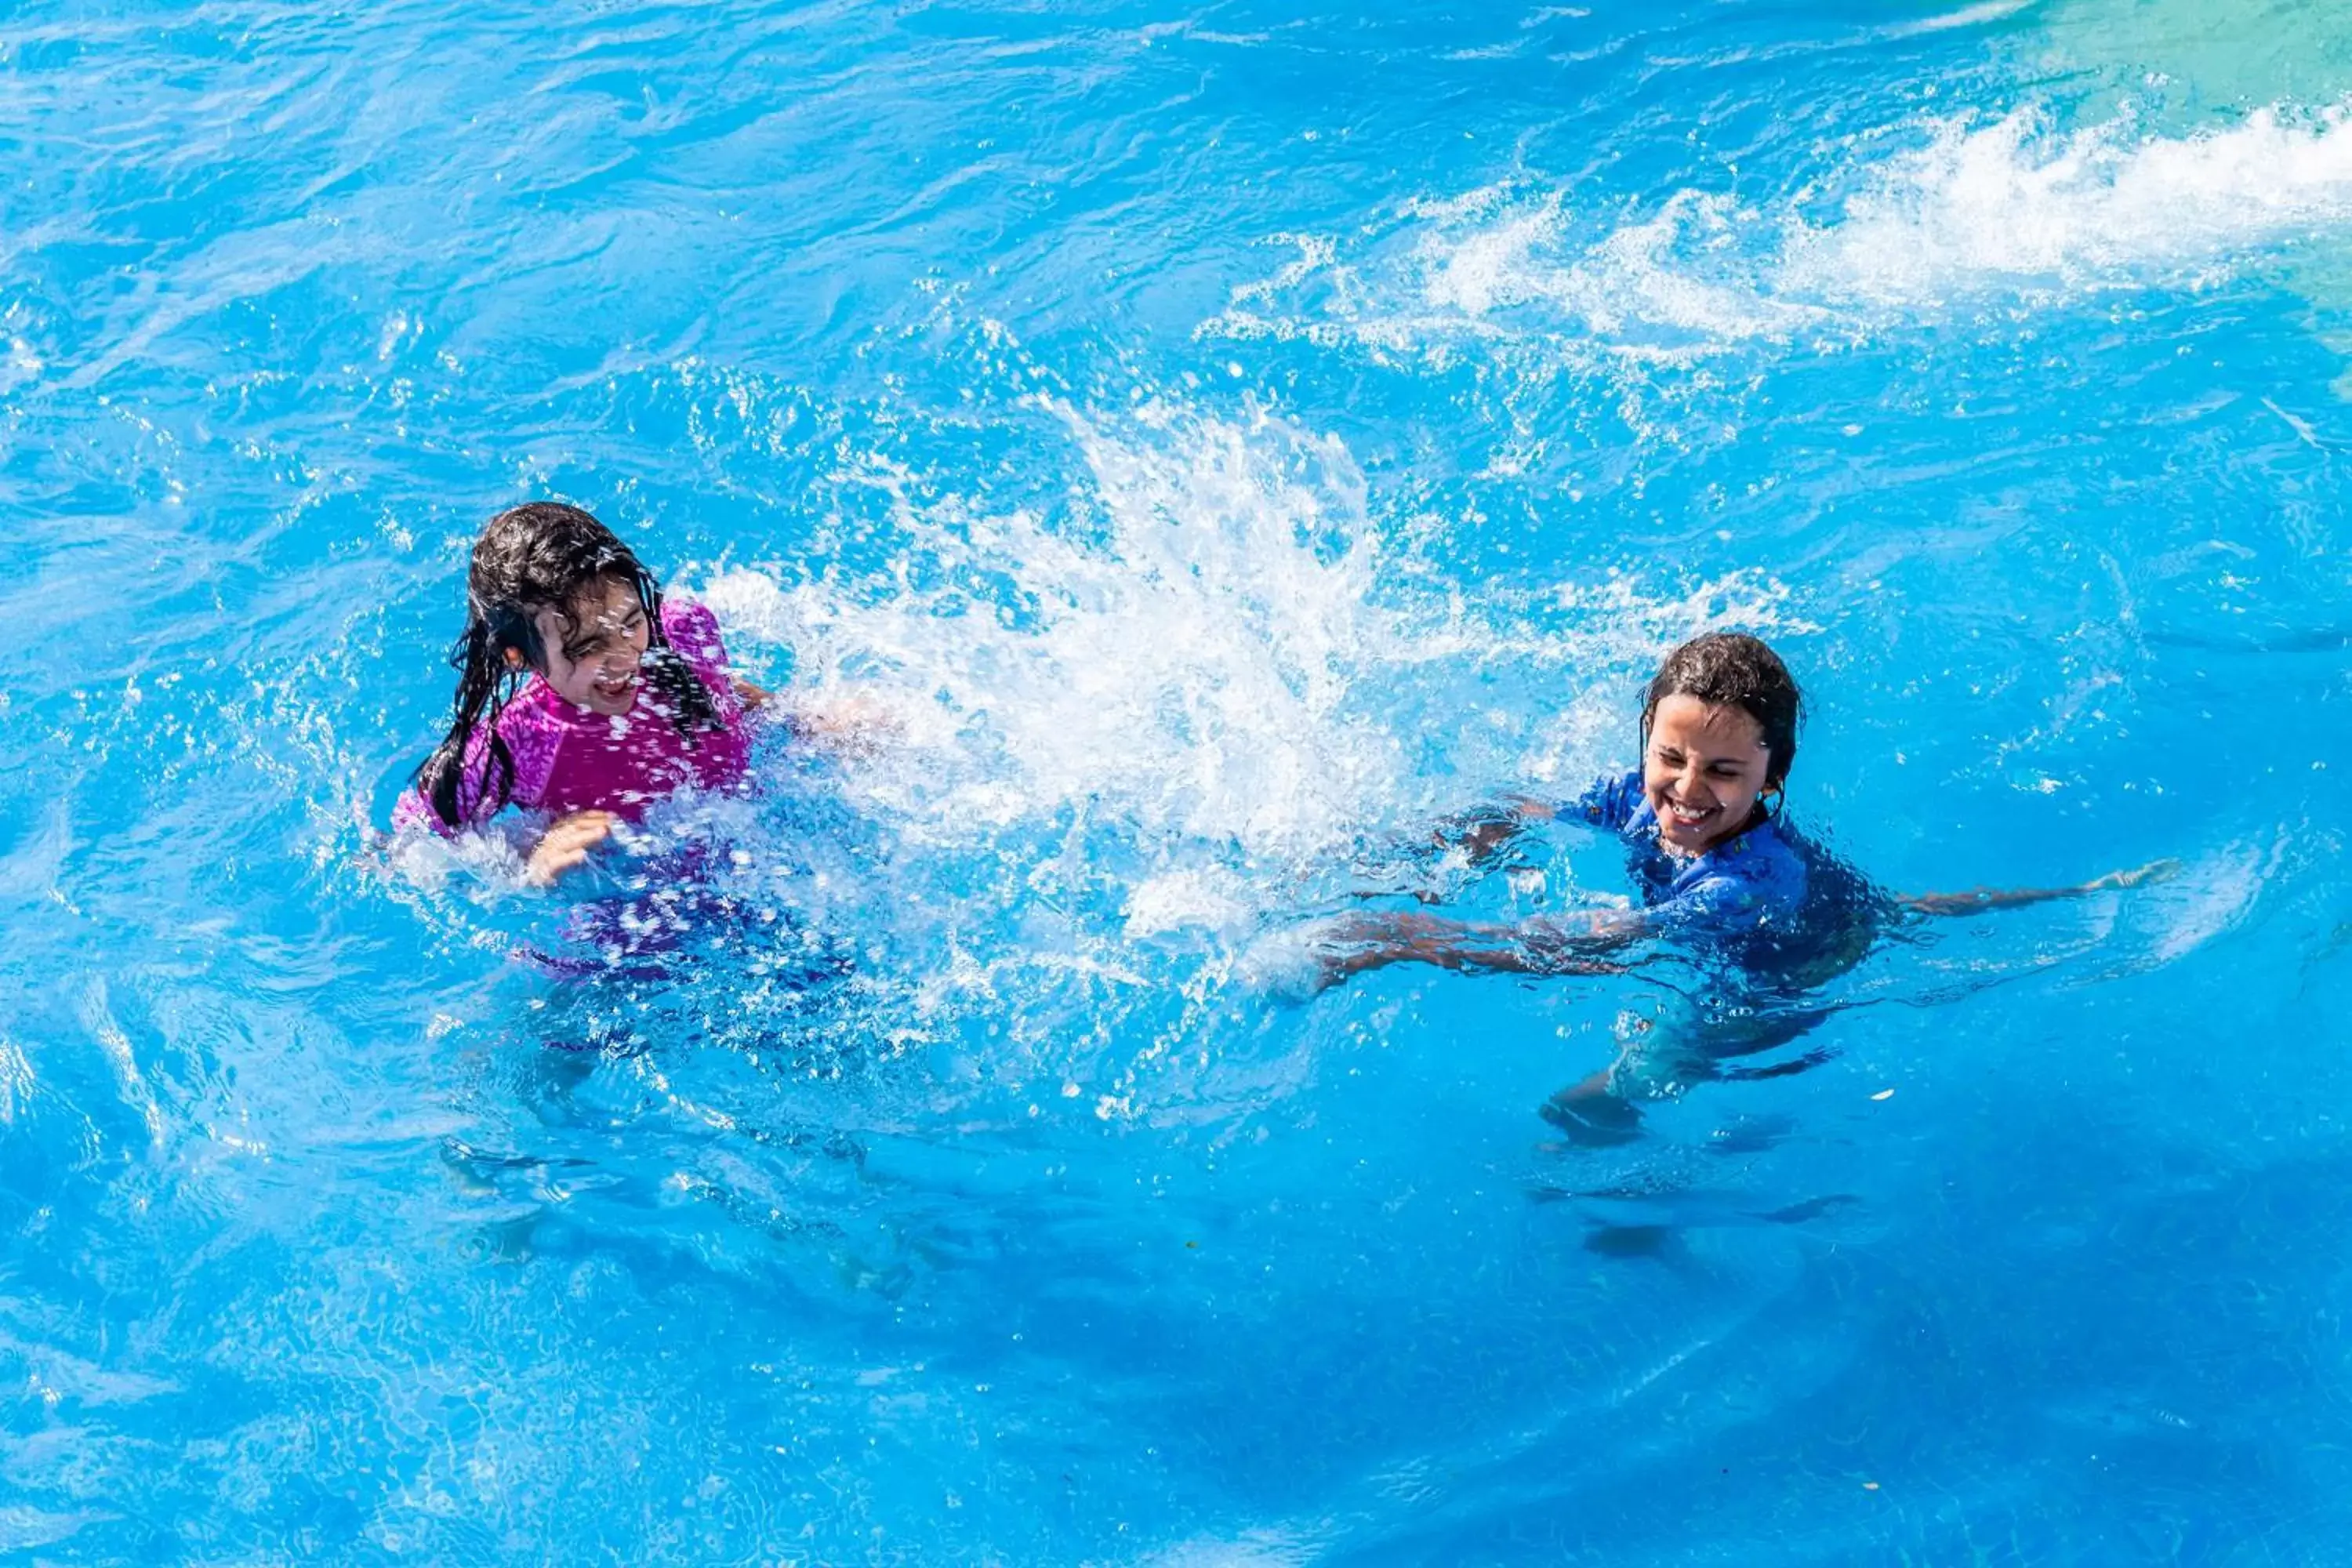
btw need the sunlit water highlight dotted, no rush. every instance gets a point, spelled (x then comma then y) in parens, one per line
(1223, 441)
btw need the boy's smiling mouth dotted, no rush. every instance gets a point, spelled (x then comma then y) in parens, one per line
(1683, 815)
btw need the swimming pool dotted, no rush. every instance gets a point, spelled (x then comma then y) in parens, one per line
(1227, 438)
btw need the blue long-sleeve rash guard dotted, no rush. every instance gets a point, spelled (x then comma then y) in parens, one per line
(1754, 879)
(1767, 898)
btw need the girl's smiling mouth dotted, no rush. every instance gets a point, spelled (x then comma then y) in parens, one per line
(612, 695)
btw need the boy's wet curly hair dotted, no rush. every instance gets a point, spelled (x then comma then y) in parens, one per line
(1732, 670)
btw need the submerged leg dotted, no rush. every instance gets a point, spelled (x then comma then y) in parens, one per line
(1663, 1057)
(1591, 1111)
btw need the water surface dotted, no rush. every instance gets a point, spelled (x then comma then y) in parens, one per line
(1226, 437)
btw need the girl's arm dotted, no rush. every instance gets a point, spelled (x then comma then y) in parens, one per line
(846, 721)
(1978, 901)
(851, 720)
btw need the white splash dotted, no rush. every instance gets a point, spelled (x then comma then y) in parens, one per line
(1214, 657)
(1180, 654)
(1207, 897)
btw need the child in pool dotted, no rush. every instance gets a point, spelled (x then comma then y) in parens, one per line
(582, 692)
(1720, 873)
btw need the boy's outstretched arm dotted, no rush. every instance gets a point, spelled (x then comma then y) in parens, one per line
(1368, 942)
(1978, 901)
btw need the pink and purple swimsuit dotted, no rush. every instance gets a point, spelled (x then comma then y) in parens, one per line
(569, 759)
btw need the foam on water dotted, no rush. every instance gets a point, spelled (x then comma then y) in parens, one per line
(1962, 212)
(2021, 207)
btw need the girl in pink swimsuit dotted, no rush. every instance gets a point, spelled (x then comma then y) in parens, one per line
(581, 692)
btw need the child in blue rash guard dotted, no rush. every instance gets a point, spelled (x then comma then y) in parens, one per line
(1720, 875)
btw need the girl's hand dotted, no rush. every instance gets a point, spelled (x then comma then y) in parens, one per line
(749, 695)
(850, 721)
(566, 844)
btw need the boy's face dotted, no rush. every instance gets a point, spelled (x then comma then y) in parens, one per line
(1704, 767)
(593, 654)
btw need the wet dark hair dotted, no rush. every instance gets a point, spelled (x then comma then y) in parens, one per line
(542, 555)
(1732, 670)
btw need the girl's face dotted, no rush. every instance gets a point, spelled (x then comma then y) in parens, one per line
(1705, 766)
(592, 655)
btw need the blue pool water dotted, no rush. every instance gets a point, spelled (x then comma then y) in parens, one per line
(1225, 438)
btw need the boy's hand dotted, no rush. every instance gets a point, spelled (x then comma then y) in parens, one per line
(566, 844)
(1479, 834)
(2138, 876)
